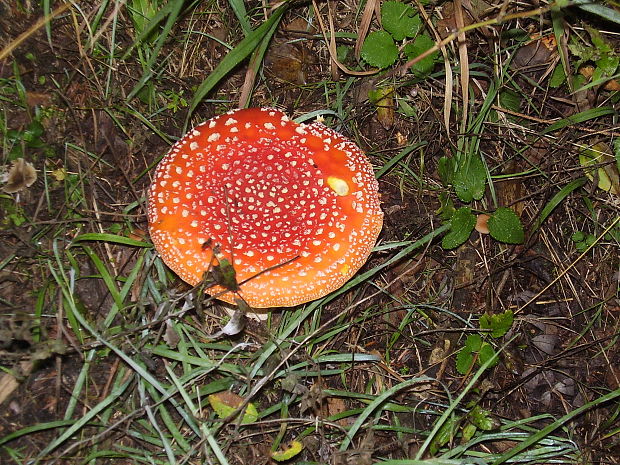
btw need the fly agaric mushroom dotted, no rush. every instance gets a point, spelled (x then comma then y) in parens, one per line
(293, 207)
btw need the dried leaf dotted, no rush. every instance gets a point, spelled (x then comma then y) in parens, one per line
(287, 61)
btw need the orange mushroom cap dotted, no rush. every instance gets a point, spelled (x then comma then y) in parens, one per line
(260, 190)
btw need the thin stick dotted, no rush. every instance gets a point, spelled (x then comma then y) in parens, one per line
(31, 30)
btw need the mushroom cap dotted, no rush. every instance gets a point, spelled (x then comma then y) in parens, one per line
(293, 207)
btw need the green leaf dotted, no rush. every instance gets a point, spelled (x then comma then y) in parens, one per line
(461, 225)
(464, 361)
(505, 226)
(606, 66)
(557, 77)
(607, 176)
(482, 419)
(465, 357)
(446, 209)
(578, 236)
(577, 118)
(106, 237)
(446, 170)
(470, 179)
(445, 434)
(399, 20)
(468, 432)
(421, 44)
(379, 49)
(510, 99)
(499, 324)
(473, 342)
(609, 14)
(487, 353)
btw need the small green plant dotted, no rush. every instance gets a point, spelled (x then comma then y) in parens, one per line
(22, 141)
(504, 226)
(400, 23)
(582, 240)
(598, 58)
(464, 426)
(477, 348)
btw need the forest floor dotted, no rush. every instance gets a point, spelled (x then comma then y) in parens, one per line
(451, 345)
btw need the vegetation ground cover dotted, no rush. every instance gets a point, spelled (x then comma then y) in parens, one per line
(484, 327)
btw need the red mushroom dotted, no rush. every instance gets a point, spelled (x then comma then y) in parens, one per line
(260, 190)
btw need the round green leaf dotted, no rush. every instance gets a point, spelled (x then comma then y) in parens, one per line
(421, 44)
(505, 226)
(461, 225)
(399, 20)
(379, 49)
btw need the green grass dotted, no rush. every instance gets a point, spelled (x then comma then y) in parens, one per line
(130, 351)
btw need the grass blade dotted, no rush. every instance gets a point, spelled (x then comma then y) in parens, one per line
(577, 118)
(236, 56)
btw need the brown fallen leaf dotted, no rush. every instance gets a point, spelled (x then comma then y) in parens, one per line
(611, 85)
(535, 55)
(21, 175)
(286, 61)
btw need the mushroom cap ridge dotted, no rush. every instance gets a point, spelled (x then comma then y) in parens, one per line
(260, 190)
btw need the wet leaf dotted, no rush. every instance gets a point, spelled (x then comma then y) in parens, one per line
(505, 226)
(399, 20)
(287, 61)
(461, 225)
(482, 419)
(470, 179)
(446, 170)
(558, 77)
(225, 403)
(465, 357)
(379, 49)
(464, 361)
(445, 434)
(292, 449)
(468, 432)
(21, 176)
